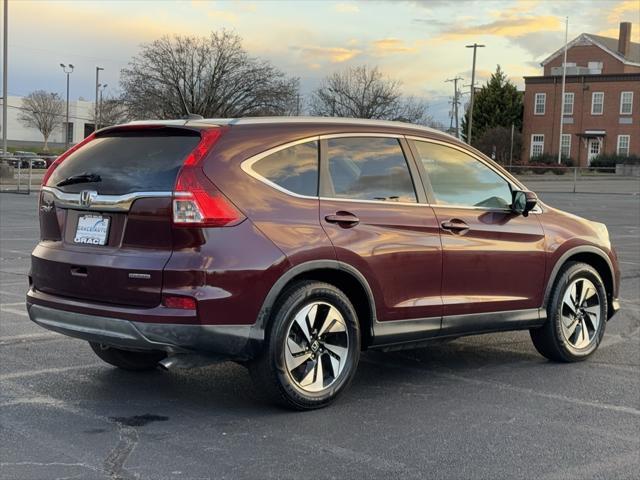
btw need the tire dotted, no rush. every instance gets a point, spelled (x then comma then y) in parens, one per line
(128, 360)
(313, 330)
(573, 332)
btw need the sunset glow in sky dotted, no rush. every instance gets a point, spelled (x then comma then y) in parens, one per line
(420, 43)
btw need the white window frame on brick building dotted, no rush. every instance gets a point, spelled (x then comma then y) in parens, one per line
(537, 145)
(565, 110)
(624, 144)
(626, 103)
(565, 146)
(600, 103)
(542, 103)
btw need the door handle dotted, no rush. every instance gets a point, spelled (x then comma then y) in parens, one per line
(344, 219)
(455, 226)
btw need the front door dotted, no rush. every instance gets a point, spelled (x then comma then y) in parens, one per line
(493, 259)
(593, 149)
(370, 209)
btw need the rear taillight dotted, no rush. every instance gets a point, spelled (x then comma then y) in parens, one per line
(196, 201)
(61, 158)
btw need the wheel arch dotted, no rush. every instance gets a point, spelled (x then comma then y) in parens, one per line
(592, 256)
(341, 275)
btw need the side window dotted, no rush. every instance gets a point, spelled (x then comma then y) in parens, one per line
(368, 168)
(460, 179)
(294, 168)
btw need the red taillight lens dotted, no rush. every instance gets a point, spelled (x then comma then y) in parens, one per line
(196, 201)
(60, 159)
(176, 301)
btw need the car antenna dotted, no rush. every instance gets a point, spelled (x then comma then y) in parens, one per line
(189, 115)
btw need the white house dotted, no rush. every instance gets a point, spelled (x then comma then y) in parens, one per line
(80, 120)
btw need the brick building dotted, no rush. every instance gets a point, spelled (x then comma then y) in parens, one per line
(601, 108)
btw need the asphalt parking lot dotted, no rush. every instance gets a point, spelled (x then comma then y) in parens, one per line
(484, 407)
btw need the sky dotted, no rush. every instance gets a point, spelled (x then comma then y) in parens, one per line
(420, 43)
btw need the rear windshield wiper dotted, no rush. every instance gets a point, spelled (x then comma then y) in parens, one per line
(80, 178)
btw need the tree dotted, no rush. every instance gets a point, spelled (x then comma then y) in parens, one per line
(496, 143)
(364, 92)
(112, 111)
(214, 76)
(496, 104)
(42, 110)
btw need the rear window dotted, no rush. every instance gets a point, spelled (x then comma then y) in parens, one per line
(134, 161)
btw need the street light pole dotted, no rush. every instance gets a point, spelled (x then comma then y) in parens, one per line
(475, 47)
(102, 87)
(68, 69)
(95, 113)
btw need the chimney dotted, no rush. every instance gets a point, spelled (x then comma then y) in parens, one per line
(624, 39)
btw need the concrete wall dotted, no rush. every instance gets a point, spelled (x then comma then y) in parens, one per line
(80, 114)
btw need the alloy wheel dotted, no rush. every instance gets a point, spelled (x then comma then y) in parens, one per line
(317, 345)
(580, 313)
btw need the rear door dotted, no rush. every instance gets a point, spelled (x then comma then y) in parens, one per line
(105, 217)
(379, 223)
(493, 259)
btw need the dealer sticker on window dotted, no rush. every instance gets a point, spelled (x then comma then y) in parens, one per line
(92, 229)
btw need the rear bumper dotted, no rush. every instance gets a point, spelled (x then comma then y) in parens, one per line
(229, 341)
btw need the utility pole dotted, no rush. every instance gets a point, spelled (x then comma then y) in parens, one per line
(68, 69)
(5, 64)
(95, 114)
(564, 78)
(456, 102)
(475, 47)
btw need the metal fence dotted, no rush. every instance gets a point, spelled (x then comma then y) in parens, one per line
(562, 179)
(22, 180)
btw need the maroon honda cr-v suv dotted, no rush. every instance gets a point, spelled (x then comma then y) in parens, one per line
(292, 244)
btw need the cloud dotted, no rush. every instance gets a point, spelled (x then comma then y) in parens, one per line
(346, 8)
(517, 21)
(615, 32)
(332, 54)
(388, 46)
(617, 13)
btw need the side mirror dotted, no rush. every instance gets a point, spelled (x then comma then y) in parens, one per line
(523, 202)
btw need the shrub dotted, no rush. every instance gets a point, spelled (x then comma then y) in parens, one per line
(609, 160)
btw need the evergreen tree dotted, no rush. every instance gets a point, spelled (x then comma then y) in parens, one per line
(496, 104)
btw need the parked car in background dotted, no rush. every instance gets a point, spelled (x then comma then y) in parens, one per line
(292, 244)
(49, 159)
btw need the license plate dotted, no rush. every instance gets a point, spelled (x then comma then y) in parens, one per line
(92, 229)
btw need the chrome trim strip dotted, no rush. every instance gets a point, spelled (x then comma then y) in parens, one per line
(380, 202)
(247, 165)
(105, 203)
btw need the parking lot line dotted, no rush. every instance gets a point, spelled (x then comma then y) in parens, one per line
(35, 373)
(514, 388)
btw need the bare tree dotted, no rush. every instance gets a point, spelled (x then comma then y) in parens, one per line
(111, 111)
(214, 75)
(364, 92)
(42, 110)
